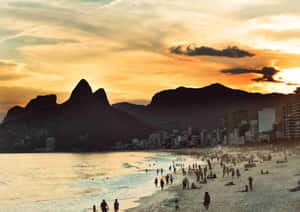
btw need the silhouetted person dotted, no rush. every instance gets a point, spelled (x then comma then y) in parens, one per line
(116, 205)
(94, 208)
(156, 182)
(238, 174)
(209, 165)
(104, 206)
(205, 171)
(161, 171)
(176, 204)
(162, 183)
(167, 179)
(171, 178)
(206, 200)
(250, 179)
(157, 171)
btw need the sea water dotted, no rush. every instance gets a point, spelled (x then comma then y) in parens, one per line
(66, 182)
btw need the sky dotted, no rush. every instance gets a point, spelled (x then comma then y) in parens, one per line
(135, 48)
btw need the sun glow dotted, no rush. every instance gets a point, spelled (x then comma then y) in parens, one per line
(291, 75)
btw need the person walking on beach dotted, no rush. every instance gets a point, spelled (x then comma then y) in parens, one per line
(232, 173)
(167, 179)
(157, 171)
(104, 206)
(250, 179)
(162, 183)
(116, 205)
(224, 170)
(94, 208)
(238, 174)
(161, 171)
(176, 204)
(171, 178)
(206, 200)
(209, 164)
(156, 182)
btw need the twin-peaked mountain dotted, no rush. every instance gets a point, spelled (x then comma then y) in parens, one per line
(86, 121)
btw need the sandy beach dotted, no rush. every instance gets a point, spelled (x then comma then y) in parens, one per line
(270, 191)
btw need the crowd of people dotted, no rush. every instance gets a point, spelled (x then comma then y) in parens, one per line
(202, 174)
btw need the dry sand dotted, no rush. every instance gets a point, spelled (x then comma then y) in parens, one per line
(271, 191)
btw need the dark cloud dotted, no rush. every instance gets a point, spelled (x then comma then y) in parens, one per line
(190, 50)
(266, 72)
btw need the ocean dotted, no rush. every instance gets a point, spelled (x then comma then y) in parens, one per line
(67, 182)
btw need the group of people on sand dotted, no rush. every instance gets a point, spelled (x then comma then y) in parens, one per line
(168, 179)
(104, 206)
(227, 171)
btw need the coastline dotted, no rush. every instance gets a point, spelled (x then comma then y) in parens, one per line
(271, 191)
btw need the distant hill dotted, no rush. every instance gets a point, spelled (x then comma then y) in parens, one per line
(200, 107)
(87, 121)
(84, 115)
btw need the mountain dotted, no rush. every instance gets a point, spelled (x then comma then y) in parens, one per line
(200, 107)
(86, 121)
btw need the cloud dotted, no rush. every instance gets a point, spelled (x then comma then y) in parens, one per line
(268, 8)
(191, 50)
(7, 66)
(267, 73)
(9, 71)
(283, 35)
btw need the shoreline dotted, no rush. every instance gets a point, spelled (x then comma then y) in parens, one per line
(271, 191)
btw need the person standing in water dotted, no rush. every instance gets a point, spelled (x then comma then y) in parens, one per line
(116, 205)
(206, 200)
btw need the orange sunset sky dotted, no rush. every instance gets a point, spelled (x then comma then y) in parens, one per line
(135, 48)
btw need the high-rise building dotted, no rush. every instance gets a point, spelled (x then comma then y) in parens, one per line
(266, 120)
(291, 117)
(291, 120)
